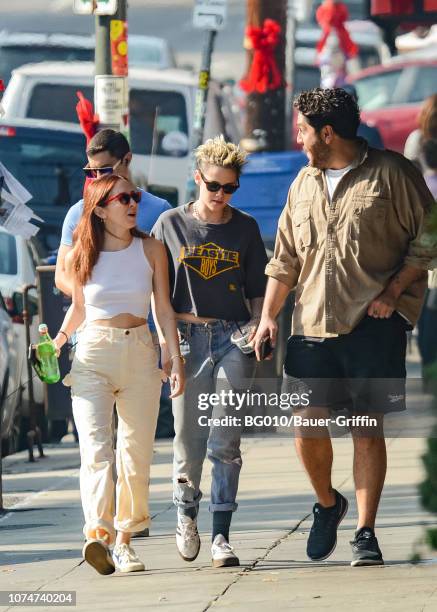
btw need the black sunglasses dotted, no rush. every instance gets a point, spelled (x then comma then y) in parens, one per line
(93, 173)
(125, 198)
(214, 186)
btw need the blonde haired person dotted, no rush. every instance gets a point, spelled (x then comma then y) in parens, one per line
(427, 130)
(216, 266)
(115, 268)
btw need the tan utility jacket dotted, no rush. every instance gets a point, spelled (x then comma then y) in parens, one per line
(339, 256)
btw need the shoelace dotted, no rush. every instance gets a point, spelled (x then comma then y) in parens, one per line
(363, 539)
(125, 553)
(319, 522)
(224, 546)
(189, 530)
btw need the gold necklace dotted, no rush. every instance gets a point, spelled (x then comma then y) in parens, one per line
(196, 214)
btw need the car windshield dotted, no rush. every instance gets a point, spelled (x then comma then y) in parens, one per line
(408, 85)
(377, 91)
(153, 114)
(8, 254)
(144, 53)
(12, 57)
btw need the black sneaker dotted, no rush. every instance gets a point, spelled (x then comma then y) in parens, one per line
(323, 535)
(365, 549)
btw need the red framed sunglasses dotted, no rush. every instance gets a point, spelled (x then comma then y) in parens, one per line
(124, 198)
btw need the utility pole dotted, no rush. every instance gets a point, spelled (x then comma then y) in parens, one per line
(111, 91)
(200, 108)
(103, 46)
(210, 17)
(265, 122)
(104, 32)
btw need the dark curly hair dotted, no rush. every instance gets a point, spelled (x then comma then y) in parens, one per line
(334, 107)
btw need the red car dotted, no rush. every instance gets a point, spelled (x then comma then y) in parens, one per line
(390, 95)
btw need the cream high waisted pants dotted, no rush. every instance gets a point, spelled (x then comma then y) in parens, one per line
(121, 366)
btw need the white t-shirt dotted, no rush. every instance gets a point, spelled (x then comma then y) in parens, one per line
(333, 177)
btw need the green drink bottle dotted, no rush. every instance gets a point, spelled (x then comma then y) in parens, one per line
(46, 353)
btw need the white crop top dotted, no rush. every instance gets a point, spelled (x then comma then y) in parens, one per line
(121, 282)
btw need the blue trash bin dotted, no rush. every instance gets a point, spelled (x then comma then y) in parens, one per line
(264, 187)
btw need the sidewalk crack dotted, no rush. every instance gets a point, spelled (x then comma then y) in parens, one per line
(247, 570)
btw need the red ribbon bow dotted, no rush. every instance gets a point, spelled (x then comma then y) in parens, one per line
(264, 74)
(332, 15)
(88, 120)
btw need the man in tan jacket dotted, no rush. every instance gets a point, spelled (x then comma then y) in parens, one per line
(350, 243)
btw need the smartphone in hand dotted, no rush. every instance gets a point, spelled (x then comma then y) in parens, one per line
(266, 348)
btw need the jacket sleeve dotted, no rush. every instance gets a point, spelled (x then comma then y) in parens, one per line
(415, 205)
(284, 265)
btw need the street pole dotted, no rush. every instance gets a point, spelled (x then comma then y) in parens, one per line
(200, 107)
(111, 93)
(103, 45)
(265, 122)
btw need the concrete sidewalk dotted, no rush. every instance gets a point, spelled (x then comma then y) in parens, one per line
(41, 538)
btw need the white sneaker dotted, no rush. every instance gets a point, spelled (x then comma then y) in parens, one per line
(222, 553)
(126, 559)
(187, 537)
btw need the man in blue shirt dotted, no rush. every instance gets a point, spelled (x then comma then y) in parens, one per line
(108, 151)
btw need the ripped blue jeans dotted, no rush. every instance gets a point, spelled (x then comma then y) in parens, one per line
(214, 366)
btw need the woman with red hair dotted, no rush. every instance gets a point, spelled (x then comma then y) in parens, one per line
(115, 269)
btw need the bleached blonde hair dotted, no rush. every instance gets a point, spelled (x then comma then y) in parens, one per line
(217, 152)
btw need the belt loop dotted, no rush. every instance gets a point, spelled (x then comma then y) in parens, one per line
(189, 330)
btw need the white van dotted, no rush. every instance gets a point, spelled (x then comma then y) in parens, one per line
(161, 102)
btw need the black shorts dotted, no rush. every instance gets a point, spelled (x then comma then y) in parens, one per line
(363, 372)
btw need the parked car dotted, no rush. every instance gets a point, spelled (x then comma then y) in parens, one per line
(18, 48)
(11, 361)
(372, 51)
(150, 52)
(390, 95)
(161, 103)
(19, 258)
(367, 35)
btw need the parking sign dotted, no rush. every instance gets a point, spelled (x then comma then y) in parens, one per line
(83, 7)
(210, 14)
(106, 7)
(98, 7)
(110, 99)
